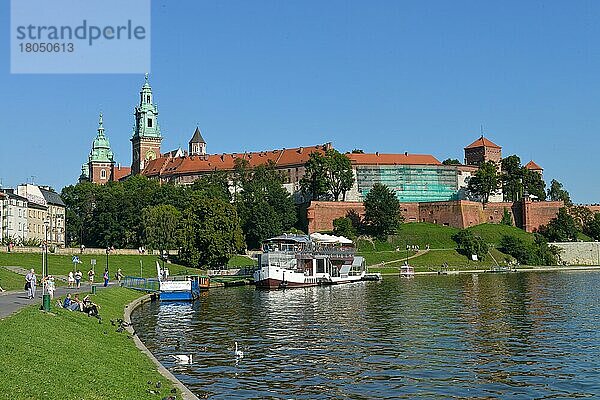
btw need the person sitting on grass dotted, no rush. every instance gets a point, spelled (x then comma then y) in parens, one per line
(91, 309)
(67, 301)
(75, 304)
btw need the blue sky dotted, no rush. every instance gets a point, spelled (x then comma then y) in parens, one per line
(387, 76)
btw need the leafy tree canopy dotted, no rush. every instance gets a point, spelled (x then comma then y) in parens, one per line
(557, 193)
(451, 161)
(485, 181)
(210, 233)
(382, 211)
(562, 228)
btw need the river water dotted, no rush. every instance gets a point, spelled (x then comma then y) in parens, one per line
(521, 335)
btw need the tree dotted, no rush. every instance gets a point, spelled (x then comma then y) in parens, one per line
(536, 253)
(517, 248)
(512, 178)
(161, 227)
(592, 227)
(327, 176)
(506, 218)
(382, 211)
(211, 233)
(265, 208)
(357, 221)
(451, 161)
(79, 200)
(214, 185)
(562, 228)
(470, 244)
(533, 184)
(582, 216)
(484, 182)
(358, 151)
(557, 193)
(338, 174)
(343, 227)
(314, 183)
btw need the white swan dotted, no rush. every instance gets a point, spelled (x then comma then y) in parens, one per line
(182, 358)
(238, 353)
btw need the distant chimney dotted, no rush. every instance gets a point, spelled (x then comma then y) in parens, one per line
(377, 153)
(300, 149)
(406, 153)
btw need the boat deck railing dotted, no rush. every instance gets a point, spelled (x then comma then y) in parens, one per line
(143, 284)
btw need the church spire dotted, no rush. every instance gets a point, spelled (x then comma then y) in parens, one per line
(100, 127)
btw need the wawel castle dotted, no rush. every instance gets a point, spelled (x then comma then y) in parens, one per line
(417, 179)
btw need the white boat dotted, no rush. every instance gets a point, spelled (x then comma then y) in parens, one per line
(289, 261)
(407, 271)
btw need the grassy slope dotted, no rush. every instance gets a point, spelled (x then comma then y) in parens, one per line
(10, 281)
(377, 257)
(435, 258)
(492, 233)
(70, 356)
(61, 264)
(241, 261)
(443, 247)
(421, 233)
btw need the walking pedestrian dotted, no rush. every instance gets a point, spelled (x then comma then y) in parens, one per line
(70, 280)
(91, 276)
(105, 277)
(30, 282)
(119, 276)
(78, 276)
(50, 286)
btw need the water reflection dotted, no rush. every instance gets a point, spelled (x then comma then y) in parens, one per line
(514, 335)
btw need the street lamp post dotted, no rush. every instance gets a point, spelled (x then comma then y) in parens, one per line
(45, 294)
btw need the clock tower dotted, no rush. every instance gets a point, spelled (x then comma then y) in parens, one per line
(146, 138)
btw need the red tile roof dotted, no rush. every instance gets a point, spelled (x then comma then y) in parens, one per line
(392, 159)
(121, 172)
(531, 165)
(282, 158)
(482, 142)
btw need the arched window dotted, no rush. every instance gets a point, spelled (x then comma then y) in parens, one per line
(103, 174)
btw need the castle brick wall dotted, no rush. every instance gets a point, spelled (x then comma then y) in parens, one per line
(459, 214)
(320, 214)
(538, 213)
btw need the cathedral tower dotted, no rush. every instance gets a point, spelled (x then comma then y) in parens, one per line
(146, 134)
(100, 161)
(197, 145)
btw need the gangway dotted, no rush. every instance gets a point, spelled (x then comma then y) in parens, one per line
(150, 285)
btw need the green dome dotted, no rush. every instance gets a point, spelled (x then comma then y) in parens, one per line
(101, 146)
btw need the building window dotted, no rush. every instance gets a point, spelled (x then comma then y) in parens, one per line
(148, 99)
(149, 122)
(103, 174)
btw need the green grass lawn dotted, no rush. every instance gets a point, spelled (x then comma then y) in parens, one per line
(377, 257)
(241, 261)
(61, 264)
(492, 233)
(10, 280)
(68, 355)
(414, 233)
(435, 258)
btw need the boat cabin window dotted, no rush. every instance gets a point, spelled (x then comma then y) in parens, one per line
(320, 266)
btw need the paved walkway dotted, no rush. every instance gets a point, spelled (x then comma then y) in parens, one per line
(14, 300)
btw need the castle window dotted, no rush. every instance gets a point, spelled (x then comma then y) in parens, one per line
(149, 122)
(148, 99)
(103, 174)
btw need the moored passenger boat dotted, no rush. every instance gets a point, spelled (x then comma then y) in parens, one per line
(289, 261)
(180, 288)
